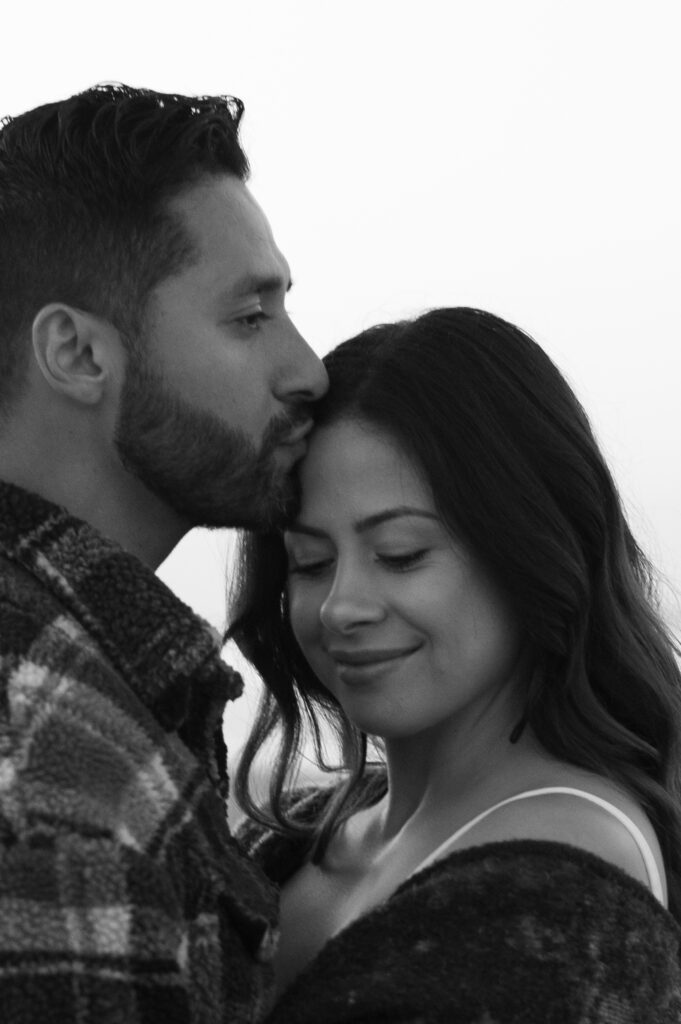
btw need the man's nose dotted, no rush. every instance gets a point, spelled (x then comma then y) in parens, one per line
(305, 379)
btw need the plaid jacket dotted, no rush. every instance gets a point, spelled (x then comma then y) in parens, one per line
(123, 897)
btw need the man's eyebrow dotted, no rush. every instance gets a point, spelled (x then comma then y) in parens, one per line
(367, 522)
(250, 283)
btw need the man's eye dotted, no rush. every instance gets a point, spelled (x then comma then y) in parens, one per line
(253, 320)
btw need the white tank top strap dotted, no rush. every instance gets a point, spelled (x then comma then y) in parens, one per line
(633, 829)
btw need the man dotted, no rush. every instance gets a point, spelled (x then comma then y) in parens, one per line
(150, 381)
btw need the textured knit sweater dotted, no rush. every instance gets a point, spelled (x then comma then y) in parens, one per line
(517, 932)
(123, 897)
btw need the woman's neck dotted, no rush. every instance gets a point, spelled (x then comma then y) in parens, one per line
(427, 774)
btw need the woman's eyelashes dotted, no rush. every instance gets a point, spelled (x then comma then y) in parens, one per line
(393, 562)
(308, 568)
(404, 560)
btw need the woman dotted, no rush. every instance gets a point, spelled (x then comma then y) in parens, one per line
(460, 585)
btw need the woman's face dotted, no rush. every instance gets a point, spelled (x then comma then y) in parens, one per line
(396, 618)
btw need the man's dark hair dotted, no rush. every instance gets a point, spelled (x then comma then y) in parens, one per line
(84, 191)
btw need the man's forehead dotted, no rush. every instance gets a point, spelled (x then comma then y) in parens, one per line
(217, 208)
(232, 239)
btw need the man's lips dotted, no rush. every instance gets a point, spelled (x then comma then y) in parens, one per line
(299, 434)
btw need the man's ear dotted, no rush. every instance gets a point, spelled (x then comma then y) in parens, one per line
(77, 353)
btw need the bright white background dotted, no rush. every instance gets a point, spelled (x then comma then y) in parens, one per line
(518, 155)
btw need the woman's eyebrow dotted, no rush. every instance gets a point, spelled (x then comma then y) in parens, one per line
(400, 511)
(367, 522)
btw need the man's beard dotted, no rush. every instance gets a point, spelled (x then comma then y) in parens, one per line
(210, 474)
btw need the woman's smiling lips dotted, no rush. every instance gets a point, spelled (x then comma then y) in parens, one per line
(363, 663)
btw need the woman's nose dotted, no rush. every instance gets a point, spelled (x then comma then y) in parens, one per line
(350, 603)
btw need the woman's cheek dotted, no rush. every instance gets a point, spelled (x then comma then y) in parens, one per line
(303, 613)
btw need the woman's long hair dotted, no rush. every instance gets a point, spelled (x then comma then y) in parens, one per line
(516, 474)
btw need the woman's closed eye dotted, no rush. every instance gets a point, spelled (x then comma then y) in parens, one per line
(312, 567)
(402, 561)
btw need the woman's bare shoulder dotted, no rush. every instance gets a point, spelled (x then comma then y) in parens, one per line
(574, 819)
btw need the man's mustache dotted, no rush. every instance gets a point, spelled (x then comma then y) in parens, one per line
(285, 424)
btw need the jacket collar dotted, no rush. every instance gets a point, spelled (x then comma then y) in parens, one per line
(167, 654)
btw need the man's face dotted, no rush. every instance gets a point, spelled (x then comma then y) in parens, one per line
(213, 414)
